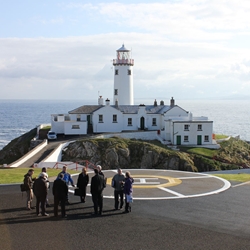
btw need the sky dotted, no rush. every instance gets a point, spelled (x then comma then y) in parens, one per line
(186, 49)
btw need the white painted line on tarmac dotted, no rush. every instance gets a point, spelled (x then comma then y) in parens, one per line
(241, 184)
(171, 192)
(195, 177)
(224, 187)
(146, 183)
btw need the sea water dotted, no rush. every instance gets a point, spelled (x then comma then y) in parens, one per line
(230, 117)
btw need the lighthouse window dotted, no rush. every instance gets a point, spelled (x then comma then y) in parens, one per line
(100, 118)
(129, 72)
(116, 72)
(129, 121)
(116, 91)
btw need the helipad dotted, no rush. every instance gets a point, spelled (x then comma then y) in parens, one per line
(150, 184)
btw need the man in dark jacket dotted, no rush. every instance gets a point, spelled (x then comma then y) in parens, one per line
(41, 191)
(96, 188)
(68, 179)
(28, 184)
(60, 192)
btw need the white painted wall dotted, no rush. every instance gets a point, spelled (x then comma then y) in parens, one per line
(70, 130)
(175, 112)
(124, 83)
(30, 154)
(57, 126)
(107, 125)
(177, 129)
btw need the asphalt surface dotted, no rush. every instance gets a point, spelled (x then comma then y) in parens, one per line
(218, 221)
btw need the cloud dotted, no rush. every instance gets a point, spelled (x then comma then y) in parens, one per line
(193, 20)
(181, 48)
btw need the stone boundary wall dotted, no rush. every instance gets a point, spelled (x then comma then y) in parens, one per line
(30, 154)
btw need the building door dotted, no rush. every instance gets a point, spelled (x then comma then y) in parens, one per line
(198, 139)
(178, 140)
(90, 127)
(142, 123)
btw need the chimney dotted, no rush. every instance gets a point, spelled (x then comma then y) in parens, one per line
(107, 102)
(155, 103)
(172, 102)
(162, 103)
(116, 103)
(100, 100)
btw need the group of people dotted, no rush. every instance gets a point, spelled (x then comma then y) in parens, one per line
(39, 187)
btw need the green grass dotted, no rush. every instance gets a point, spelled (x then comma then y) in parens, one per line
(202, 151)
(235, 177)
(46, 128)
(218, 136)
(15, 175)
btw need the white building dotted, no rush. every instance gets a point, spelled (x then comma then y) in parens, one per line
(173, 124)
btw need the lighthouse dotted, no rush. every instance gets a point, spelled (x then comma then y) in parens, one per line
(123, 77)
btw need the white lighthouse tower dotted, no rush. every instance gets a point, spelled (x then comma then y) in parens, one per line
(123, 77)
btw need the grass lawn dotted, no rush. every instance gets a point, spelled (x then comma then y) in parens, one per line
(15, 175)
(218, 136)
(235, 177)
(202, 151)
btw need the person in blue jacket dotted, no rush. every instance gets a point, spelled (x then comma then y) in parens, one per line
(67, 178)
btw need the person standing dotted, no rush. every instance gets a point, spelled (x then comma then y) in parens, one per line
(41, 191)
(46, 176)
(82, 182)
(117, 184)
(67, 178)
(128, 190)
(28, 184)
(60, 192)
(96, 188)
(99, 168)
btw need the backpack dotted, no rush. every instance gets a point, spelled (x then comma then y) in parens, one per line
(23, 188)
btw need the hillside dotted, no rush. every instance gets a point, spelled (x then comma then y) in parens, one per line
(116, 152)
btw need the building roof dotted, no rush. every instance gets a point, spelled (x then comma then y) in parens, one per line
(126, 109)
(123, 49)
(85, 109)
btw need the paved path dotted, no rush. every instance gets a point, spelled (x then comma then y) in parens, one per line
(218, 221)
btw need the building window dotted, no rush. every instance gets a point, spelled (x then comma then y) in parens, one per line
(186, 127)
(114, 118)
(185, 138)
(129, 71)
(116, 91)
(199, 127)
(206, 138)
(116, 72)
(154, 122)
(78, 118)
(129, 121)
(100, 118)
(75, 127)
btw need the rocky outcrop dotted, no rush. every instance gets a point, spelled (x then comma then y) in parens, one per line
(114, 152)
(17, 147)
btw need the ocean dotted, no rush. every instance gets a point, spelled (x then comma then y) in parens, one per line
(230, 117)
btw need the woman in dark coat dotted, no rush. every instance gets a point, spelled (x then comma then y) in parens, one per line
(128, 190)
(82, 182)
